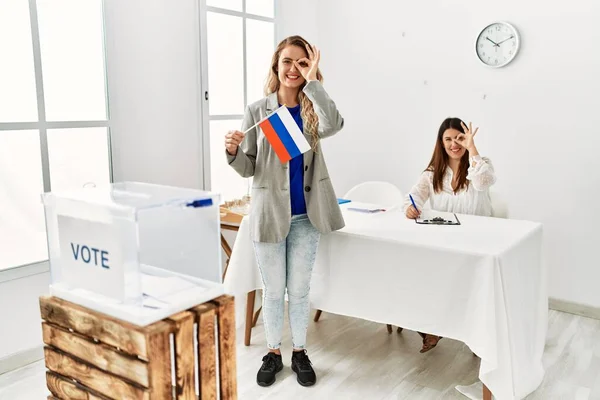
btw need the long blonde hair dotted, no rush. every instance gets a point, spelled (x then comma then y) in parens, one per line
(309, 117)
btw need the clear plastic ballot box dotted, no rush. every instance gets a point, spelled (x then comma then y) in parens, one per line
(138, 252)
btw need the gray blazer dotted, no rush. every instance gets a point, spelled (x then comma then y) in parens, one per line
(270, 209)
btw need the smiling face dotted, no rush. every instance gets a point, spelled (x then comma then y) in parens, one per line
(288, 74)
(453, 149)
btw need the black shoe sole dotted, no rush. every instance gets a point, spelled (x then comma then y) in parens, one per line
(305, 384)
(266, 384)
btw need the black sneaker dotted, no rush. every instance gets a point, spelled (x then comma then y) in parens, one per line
(271, 365)
(302, 366)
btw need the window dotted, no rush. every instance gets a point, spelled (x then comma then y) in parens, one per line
(72, 50)
(22, 229)
(54, 128)
(240, 40)
(17, 77)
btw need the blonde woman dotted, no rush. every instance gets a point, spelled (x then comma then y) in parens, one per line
(292, 203)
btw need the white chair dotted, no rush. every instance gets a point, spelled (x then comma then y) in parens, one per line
(374, 192)
(499, 205)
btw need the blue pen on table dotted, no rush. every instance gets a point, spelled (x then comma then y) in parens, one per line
(413, 202)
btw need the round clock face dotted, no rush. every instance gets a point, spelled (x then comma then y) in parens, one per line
(497, 44)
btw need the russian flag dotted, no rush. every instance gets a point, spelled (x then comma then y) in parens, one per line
(284, 135)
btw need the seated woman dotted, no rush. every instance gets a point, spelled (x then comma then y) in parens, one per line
(457, 180)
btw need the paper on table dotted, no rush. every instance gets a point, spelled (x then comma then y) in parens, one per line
(160, 286)
(368, 210)
(151, 302)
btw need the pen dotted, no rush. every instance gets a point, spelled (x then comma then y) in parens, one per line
(413, 202)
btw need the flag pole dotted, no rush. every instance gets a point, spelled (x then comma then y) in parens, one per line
(256, 124)
(253, 126)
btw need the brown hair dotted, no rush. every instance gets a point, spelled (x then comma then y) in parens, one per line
(439, 159)
(309, 117)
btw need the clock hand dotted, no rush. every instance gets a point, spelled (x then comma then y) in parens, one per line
(495, 44)
(499, 43)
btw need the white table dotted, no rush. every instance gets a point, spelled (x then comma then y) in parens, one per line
(482, 283)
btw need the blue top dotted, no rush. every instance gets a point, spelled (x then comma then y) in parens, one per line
(296, 166)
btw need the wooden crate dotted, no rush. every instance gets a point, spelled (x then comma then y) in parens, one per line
(92, 356)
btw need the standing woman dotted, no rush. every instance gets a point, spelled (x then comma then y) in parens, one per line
(292, 203)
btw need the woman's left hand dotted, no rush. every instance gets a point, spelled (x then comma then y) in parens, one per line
(308, 66)
(466, 139)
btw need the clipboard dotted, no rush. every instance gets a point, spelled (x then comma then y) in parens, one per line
(429, 217)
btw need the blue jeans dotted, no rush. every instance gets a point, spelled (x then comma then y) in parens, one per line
(288, 264)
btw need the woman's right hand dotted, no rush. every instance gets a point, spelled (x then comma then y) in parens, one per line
(232, 141)
(412, 213)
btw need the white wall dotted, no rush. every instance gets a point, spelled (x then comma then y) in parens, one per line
(21, 326)
(297, 18)
(153, 59)
(396, 69)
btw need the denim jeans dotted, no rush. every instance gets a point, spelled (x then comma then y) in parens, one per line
(288, 264)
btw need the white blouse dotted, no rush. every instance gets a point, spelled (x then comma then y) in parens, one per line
(473, 200)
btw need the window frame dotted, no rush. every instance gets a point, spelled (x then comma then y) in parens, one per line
(205, 90)
(43, 125)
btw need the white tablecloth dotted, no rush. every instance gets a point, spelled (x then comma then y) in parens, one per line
(482, 283)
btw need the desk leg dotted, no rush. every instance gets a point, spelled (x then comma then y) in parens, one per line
(226, 247)
(256, 314)
(317, 315)
(487, 394)
(249, 314)
(227, 250)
